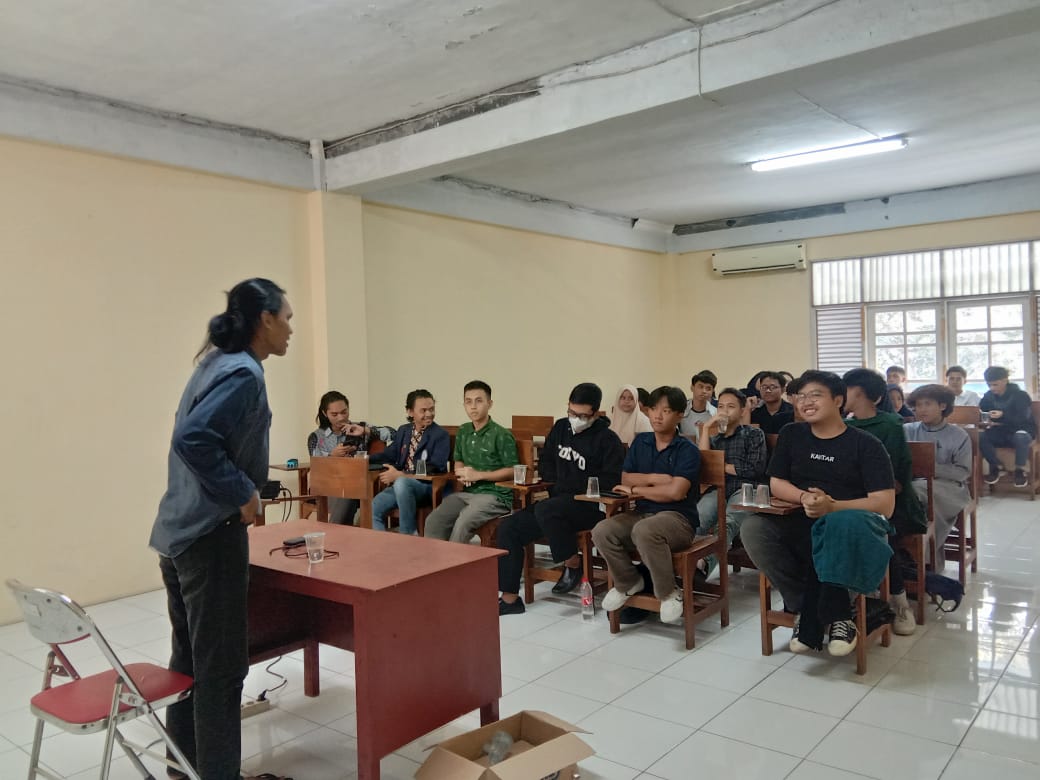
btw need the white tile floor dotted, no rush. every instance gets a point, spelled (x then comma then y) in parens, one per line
(958, 700)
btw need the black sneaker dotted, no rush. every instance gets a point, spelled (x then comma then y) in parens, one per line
(842, 638)
(628, 616)
(1020, 478)
(569, 580)
(516, 608)
(992, 476)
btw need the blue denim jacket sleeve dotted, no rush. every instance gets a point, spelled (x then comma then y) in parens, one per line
(200, 437)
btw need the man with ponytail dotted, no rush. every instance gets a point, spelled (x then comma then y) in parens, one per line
(218, 460)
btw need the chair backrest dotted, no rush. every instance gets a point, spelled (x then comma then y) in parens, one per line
(964, 415)
(51, 617)
(55, 619)
(922, 456)
(525, 451)
(771, 440)
(529, 426)
(375, 446)
(338, 477)
(713, 469)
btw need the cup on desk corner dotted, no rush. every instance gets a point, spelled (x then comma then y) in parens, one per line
(592, 491)
(315, 546)
(519, 474)
(747, 494)
(420, 467)
(762, 495)
(362, 454)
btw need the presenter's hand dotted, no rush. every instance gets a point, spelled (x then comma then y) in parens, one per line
(250, 509)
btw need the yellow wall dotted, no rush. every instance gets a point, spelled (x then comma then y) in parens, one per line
(111, 271)
(532, 315)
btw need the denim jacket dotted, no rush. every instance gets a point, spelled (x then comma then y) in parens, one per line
(219, 451)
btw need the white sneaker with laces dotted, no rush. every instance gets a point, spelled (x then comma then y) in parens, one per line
(671, 608)
(797, 646)
(842, 638)
(904, 623)
(615, 599)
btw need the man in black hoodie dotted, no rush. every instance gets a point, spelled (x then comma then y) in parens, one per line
(1011, 424)
(579, 446)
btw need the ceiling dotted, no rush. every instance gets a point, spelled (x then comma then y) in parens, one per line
(321, 69)
(971, 115)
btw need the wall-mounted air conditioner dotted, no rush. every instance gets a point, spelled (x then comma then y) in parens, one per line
(764, 257)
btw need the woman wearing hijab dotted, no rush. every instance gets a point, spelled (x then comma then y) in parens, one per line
(625, 418)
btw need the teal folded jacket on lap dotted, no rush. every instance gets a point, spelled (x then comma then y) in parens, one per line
(850, 549)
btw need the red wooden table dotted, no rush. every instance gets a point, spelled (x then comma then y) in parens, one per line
(420, 615)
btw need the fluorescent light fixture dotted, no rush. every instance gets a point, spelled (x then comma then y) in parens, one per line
(836, 153)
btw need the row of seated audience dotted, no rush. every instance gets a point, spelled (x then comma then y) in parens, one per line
(842, 457)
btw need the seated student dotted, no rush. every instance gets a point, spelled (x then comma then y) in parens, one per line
(338, 437)
(644, 401)
(774, 412)
(626, 420)
(421, 439)
(699, 409)
(661, 470)
(956, 376)
(897, 401)
(865, 392)
(895, 375)
(579, 446)
(485, 453)
(932, 404)
(753, 390)
(825, 466)
(791, 391)
(745, 449)
(1010, 412)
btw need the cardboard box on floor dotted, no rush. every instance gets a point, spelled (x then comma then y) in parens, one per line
(542, 746)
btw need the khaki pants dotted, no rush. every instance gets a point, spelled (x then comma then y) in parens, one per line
(655, 537)
(461, 514)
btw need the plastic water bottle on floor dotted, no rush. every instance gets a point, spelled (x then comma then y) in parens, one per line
(588, 606)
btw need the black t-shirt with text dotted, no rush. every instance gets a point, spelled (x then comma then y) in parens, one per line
(846, 468)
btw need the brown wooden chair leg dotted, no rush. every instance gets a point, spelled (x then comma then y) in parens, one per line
(687, 592)
(765, 603)
(974, 541)
(861, 634)
(919, 556)
(615, 616)
(528, 579)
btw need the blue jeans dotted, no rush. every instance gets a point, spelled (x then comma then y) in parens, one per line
(404, 494)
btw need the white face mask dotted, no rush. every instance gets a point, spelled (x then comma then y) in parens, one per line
(578, 425)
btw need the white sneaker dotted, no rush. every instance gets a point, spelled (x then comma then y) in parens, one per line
(798, 646)
(904, 624)
(671, 608)
(615, 599)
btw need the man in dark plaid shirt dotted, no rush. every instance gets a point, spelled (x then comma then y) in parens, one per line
(746, 461)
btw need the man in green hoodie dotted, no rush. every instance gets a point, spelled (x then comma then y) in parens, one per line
(865, 400)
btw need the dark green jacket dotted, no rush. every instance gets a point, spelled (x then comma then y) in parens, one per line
(909, 516)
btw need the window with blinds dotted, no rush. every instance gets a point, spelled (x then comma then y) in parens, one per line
(839, 338)
(974, 306)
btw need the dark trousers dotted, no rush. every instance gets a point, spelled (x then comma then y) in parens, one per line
(558, 519)
(206, 590)
(781, 548)
(1004, 436)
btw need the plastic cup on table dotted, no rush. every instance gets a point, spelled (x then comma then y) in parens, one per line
(315, 546)
(762, 495)
(593, 489)
(747, 494)
(519, 474)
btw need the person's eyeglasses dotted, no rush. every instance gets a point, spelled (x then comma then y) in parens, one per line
(770, 388)
(816, 395)
(582, 417)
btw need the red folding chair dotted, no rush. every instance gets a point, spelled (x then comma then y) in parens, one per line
(102, 701)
